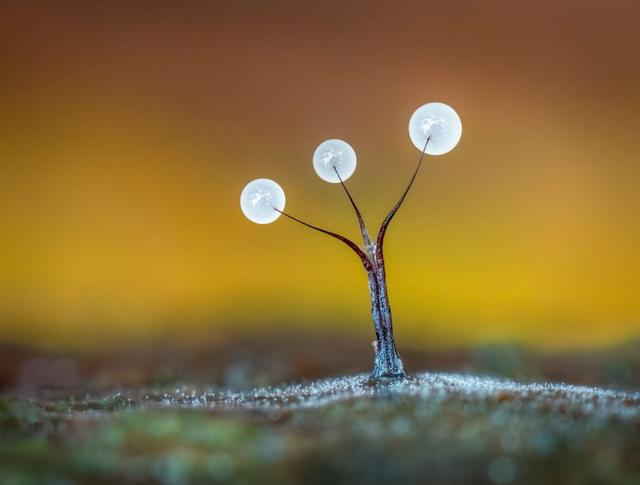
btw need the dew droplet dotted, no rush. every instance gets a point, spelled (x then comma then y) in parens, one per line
(437, 122)
(259, 200)
(334, 153)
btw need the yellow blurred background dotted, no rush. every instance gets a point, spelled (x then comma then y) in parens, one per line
(128, 130)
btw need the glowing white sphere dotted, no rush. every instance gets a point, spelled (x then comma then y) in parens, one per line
(259, 200)
(437, 122)
(334, 153)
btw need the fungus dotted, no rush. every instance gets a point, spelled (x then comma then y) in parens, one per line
(435, 129)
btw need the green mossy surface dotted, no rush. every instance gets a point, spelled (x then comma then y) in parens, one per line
(438, 430)
(443, 437)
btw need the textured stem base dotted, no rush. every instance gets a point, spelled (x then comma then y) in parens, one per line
(387, 364)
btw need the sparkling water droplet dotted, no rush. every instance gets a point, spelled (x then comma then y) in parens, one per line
(437, 122)
(334, 153)
(259, 200)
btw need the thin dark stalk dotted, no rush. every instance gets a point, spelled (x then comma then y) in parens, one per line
(363, 228)
(363, 257)
(392, 213)
(387, 362)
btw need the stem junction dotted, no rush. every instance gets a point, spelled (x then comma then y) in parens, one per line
(387, 362)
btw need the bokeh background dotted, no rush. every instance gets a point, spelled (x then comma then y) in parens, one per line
(128, 130)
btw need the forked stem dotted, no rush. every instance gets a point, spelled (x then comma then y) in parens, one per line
(387, 362)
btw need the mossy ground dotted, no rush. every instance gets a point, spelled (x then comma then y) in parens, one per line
(438, 428)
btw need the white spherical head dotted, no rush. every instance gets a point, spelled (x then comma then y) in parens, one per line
(259, 200)
(334, 153)
(438, 123)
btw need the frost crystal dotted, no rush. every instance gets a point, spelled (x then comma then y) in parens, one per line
(592, 402)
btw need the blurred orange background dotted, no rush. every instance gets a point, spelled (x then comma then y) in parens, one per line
(128, 130)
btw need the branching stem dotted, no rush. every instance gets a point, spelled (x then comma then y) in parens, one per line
(387, 362)
(361, 254)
